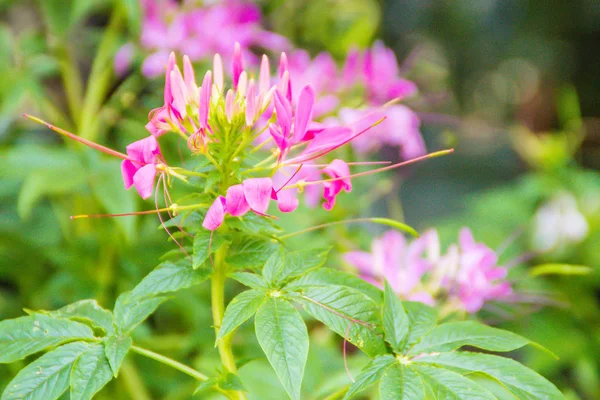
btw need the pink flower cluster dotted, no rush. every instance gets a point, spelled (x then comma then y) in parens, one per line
(376, 74)
(199, 32)
(467, 276)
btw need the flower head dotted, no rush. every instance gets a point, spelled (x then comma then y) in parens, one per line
(467, 276)
(139, 169)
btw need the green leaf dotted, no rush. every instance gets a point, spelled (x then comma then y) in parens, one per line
(453, 335)
(47, 377)
(90, 373)
(285, 265)
(130, 311)
(206, 243)
(207, 384)
(250, 252)
(401, 382)
(422, 319)
(231, 382)
(24, 336)
(240, 309)
(253, 224)
(274, 266)
(370, 374)
(170, 276)
(330, 276)
(253, 281)
(395, 320)
(116, 349)
(88, 312)
(282, 335)
(524, 383)
(446, 384)
(349, 313)
(560, 269)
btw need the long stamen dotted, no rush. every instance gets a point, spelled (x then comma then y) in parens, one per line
(291, 177)
(300, 159)
(173, 208)
(80, 139)
(374, 171)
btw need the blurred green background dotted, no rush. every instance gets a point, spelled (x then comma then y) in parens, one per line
(513, 85)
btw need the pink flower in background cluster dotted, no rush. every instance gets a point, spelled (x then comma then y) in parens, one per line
(403, 265)
(200, 32)
(374, 73)
(467, 275)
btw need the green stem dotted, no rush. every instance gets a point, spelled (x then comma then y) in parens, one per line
(100, 77)
(218, 310)
(170, 362)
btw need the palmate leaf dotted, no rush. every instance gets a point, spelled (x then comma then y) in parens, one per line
(453, 335)
(399, 381)
(429, 366)
(88, 312)
(251, 280)
(249, 251)
(170, 277)
(348, 312)
(330, 276)
(370, 374)
(444, 384)
(523, 382)
(395, 320)
(116, 349)
(130, 311)
(285, 265)
(240, 309)
(48, 377)
(282, 335)
(206, 243)
(90, 373)
(422, 319)
(24, 336)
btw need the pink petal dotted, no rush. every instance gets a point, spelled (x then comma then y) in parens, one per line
(170, 65)
(283, 108)
(189, 76)
(236, 203)
(283, 64)
(178, 92)
(325, 141)
(229, 99)
(251, 106)
(264, 80)
(218, 71)
(286, 200)
(205, 92)
(304, 112)
(143, 180)
(128, 170)
(144, 151)
(237, 64)
(258, 193)
(215, 214)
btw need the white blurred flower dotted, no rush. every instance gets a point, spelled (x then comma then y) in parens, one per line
(558, 223)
